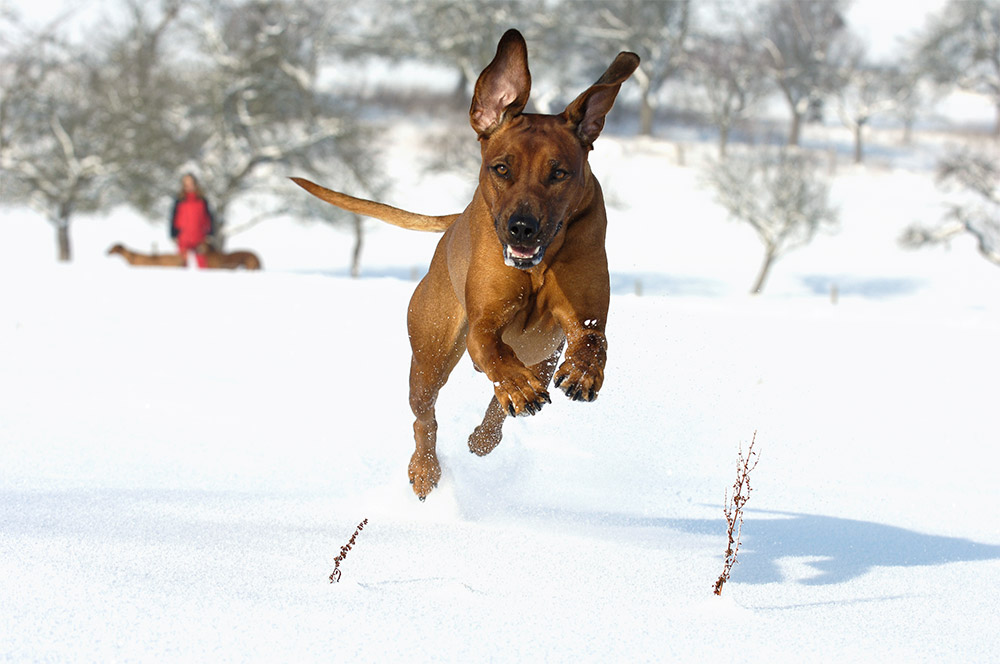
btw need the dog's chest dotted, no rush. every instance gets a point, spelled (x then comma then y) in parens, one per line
(533, 332)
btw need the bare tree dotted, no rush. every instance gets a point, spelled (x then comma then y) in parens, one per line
(961, 46)
(54, 139)
(914, 100)
(455, 33)
(262, 107)
(728, 74)
(656, 29)
(869, 90)
(462, 34)
(803, 40)
(780, 194)
(972, 179)
(144, 88)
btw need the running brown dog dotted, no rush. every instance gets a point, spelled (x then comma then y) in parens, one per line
(522, 272)
(135, 258)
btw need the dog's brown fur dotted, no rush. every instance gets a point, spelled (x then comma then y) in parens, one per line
(228, 261)
(135, 258)
(522, 272)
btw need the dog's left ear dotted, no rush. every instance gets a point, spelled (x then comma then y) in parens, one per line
(503, 87)
(587, 112)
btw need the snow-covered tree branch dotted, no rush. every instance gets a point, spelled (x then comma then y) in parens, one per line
(972, 180)
(780, 194)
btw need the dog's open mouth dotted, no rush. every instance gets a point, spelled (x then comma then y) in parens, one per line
(522, 258)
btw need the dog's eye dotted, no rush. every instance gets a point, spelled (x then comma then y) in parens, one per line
(502, 170)
(559, 175)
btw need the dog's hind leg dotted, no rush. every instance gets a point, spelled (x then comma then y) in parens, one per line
(488, 434)
(438, 329)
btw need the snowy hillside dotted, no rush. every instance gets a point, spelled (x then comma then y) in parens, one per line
(183, 453)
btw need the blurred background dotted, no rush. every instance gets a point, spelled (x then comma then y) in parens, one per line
(761, 118)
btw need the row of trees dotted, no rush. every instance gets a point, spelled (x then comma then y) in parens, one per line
(731, 55)
(235, 88)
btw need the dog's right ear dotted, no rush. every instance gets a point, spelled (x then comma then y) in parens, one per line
(586, 113)
(503, 87)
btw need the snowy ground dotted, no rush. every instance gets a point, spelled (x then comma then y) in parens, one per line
(182, 454)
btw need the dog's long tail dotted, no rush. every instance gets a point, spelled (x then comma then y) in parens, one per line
(387, 213)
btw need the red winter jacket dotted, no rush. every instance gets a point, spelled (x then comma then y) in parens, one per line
(192, 221)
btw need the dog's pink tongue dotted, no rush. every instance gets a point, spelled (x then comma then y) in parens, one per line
(517, 253)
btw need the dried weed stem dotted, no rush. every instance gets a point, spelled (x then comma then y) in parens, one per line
(335, 576)
(734, 510)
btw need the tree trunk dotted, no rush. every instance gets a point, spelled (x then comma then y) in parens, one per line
(793, 134)
(858, 151)
(908, 122)
(765, 269)
(996, 127)
(646, 114)
(461, 93)
(723, 140)
(220, 237)
(62, 240)
(359, 237)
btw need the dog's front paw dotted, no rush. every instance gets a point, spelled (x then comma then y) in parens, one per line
(521, 393)
(425, 472)
(582, 373)
(579, 384)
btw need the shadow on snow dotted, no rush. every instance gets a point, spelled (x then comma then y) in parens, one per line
(838, 549)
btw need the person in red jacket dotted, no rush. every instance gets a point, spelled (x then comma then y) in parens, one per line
(191, 222)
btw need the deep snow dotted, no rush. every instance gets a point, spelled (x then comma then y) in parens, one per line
(183, 453)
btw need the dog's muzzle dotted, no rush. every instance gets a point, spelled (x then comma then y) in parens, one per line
(522, 246)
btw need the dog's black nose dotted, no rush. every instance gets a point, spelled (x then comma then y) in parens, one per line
(522, 228)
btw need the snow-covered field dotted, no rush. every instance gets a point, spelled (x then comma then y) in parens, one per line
(183, 453)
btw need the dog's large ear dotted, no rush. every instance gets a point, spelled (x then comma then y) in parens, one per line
(503, 87)
(587, 112)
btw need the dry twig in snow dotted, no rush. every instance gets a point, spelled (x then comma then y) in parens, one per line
(335, 576)
(734, 510)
